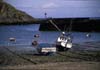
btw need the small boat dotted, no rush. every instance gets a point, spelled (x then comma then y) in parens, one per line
(46, 49)
(12, 39)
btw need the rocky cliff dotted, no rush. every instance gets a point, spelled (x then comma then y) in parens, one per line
(10, 15)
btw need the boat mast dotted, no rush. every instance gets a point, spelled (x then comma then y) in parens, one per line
(70, 26)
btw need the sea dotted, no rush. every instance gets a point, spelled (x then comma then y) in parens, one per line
(24, 35)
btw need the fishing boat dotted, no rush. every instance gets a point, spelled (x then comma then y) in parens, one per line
(64, 42)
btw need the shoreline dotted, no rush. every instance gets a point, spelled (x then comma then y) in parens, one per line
(73, 59)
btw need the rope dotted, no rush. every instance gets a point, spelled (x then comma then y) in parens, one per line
(27, 59)
(69, 29)
(70, 26)
(55, 25)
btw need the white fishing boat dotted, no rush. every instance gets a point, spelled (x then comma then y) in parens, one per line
(64, 42)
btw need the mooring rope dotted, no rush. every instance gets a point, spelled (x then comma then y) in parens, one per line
(27, 59)
(55, 25)
(70, 27)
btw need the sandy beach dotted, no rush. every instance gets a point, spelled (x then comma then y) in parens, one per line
(84, 56)
(58, 66)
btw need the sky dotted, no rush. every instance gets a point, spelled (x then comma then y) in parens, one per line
(58, 8)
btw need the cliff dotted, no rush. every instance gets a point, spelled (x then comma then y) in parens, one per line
(10, 15)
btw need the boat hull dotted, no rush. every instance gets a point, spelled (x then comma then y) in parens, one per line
(61, 48)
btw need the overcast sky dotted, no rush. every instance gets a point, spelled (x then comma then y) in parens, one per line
(58, 8)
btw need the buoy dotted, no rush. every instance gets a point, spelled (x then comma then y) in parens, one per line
(34, 43)
(36, 35)
(88, 35)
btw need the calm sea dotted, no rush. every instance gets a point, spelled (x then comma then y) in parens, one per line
(24, 35)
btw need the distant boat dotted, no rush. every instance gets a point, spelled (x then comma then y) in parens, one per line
(12, 39)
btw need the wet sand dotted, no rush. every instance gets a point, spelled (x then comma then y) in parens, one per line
(58, 66)
(85, 56)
